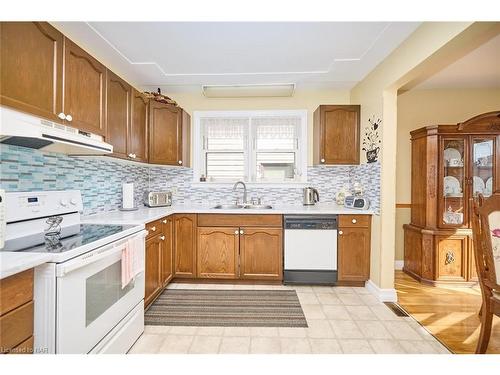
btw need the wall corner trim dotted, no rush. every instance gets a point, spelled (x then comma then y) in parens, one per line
(399, 264)
(383, 295)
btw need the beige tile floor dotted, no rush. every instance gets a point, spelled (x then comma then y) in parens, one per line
(340, 320)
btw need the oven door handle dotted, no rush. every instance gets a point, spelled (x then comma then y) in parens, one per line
(96, 255)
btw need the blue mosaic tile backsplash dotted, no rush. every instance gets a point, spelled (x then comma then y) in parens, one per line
(100, 180)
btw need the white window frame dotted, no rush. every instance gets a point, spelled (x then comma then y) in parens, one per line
(249, 151)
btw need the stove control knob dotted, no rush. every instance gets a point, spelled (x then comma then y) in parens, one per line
(73, 201)
(63, 202)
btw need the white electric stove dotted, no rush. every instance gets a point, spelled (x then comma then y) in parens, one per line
(80, 304)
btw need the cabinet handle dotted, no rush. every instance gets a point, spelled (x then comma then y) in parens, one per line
(153, 229)
(164, 221)
(354, 221)
(340, 233)
(162, 238)
(322, 160)
(236, 232)
(69, 118)
(241, 231)
(61, 115)
(450, 257)
(180, 162)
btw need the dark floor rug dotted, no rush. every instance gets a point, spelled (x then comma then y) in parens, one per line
(229, 308)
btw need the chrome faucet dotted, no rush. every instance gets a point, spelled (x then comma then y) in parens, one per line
(244, 190)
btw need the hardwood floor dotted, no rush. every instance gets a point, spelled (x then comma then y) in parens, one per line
(451, 315)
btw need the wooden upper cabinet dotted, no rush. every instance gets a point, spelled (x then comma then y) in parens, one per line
(137, 135)
(84, 90)
(336, 134)
(169, 135)
(31, 60)
(218, 250)
(261, 253)
(118, 101)
(185, 245)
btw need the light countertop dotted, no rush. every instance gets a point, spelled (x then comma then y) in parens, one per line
(145, 214)
(12, 263)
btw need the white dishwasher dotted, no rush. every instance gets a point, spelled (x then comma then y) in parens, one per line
(310, 249)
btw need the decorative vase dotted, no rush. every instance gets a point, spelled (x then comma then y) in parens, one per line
(372, 155)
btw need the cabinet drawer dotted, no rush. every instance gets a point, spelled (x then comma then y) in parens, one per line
(154, 228)
(346, 221)
(16, 326)
(239, 220)
(15, 291)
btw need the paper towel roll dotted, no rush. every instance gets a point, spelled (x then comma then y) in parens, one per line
(128, 195)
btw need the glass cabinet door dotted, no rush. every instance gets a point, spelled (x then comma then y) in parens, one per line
(453, 203)
(482, 149)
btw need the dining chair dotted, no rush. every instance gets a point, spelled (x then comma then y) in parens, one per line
(486, 235)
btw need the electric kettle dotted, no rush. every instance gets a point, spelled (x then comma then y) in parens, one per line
(311, 196)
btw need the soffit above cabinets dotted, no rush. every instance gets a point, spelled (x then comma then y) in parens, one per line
(334, 55)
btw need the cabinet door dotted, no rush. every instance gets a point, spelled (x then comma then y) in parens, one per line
(261, 253)
(218, 249)
(118, 99)
(84, 89)
(167, 251)
(340, 127)
(353, 248)
(185, 245)
(153, 269)
(137, 136)
(165, 134)
(451, 258)
(31, 68)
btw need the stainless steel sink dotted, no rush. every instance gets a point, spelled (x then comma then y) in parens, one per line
(245, 206)
(228, 206)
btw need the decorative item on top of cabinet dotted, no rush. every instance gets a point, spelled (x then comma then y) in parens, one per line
(31, 63)
(84, 90)
(336, 131)
(354, 237)
(16, 313)
(137, 145)
(450, 165)
(185, 245)
(118, 102)
(169, 135)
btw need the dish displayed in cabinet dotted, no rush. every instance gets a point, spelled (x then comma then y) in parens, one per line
(489, 187)
(452, 187)
(478, 186)
(451, 155)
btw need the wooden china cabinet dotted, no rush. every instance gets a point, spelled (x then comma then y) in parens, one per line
(451, 164)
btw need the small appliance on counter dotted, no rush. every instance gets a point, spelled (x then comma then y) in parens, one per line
(310, 197)
(356, 202)
(157, 198)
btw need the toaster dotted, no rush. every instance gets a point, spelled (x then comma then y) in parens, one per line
(157, 198)
(356, 202)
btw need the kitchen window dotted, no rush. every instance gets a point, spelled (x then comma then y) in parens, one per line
(253, 146)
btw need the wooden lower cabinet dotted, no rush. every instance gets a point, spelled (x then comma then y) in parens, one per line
(185, 245)
(451, 258)
(261, 253)
(353, 245)
(218, 252)
(167, 253)
(16, 313)
(153, 282)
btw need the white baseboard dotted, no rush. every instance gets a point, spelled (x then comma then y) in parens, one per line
(383, 295)
(398, 264)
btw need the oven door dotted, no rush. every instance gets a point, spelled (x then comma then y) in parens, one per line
(90, 297)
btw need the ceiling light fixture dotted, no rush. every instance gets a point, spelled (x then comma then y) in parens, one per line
(249, 91)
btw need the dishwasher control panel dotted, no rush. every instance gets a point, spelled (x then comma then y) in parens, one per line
(311, 222)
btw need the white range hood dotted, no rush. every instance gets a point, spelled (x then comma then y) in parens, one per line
(21, 129)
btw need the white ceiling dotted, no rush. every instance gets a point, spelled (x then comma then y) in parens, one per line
(186, 55)
(478, 69)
